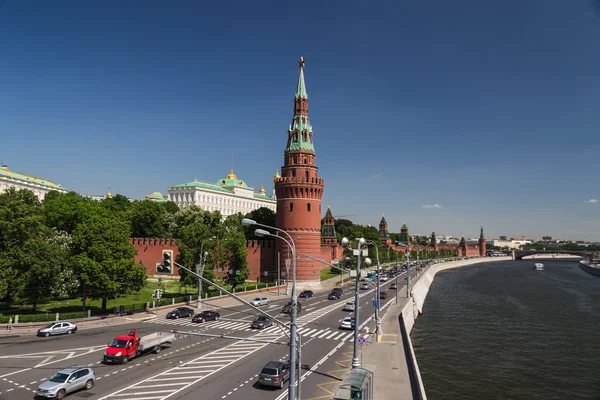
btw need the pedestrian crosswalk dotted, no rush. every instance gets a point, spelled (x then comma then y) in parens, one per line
(317, 333)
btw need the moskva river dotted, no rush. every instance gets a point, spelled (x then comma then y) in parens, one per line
(504, 331)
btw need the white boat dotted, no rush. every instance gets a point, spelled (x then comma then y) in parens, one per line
(539, 266)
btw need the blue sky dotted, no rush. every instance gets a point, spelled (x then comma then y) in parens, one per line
(487, 109)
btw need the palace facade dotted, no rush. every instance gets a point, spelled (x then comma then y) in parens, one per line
(17, 180)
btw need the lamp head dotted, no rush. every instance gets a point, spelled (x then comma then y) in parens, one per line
(361, 241)
(262, 232)
(345, 242)
(206, 254)
(367, 262)
(248, 222)
(347, 262)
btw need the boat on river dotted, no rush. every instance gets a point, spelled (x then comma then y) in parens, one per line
(538, 266)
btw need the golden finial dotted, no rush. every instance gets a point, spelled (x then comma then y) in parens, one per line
(109, 194)
(231, 175)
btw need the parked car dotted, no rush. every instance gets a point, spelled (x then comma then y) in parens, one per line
(275, 374)
(180, 312)
(306, 293)
(348, 323)
(383, 295)
(364, 286)
(349, 307)
(57, 328)
(206, 316)
(393, 286)
(334, 295)
(287, 309)
(261, 322)
(259, 301)
(66, 381)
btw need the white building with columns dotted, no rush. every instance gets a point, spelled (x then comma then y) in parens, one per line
(229, 195)
(39, 186)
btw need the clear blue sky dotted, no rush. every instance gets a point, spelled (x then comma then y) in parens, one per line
(489, 109)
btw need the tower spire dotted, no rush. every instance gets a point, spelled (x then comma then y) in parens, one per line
(301, 88)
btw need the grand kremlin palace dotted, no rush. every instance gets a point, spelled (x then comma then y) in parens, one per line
(229, 195)
(17, 180)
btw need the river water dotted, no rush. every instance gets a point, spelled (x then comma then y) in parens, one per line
(503, 331)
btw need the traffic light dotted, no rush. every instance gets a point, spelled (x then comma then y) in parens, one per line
(156, 294)
(167, 263)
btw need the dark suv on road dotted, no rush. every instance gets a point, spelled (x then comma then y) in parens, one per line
(287, 309)
(275, 374)
(180, 312)
(334, 295)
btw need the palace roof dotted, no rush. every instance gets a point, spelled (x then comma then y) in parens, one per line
(7, 173)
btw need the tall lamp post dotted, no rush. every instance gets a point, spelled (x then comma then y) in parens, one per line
(361, 245)
(378, 291)
(407, 256)
(293, 321)
(200, 270)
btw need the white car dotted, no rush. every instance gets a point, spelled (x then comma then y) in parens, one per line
(349, 307)
(259, 301)
(383, 278)
(364, 286)
(347, 323)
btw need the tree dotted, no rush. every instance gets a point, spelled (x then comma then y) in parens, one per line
(235, 248)
(104, 257)
(118, 203)
(64, 211)
(190, 250)
(262, 215)
(187, 216)
(147, 220)
(170, 207)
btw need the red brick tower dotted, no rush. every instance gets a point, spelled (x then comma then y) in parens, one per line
(482, 244)
(328, 235)
(384, 235)
(299, 190)
(433, 241)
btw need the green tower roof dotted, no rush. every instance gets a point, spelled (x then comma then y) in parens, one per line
(404, 226)
(328, 214)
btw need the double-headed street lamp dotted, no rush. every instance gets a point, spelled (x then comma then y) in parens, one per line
(377, 292)
(294, 300)
(407, 255)
(361, 245)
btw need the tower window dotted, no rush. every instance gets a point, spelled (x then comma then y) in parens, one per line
(308, 207)
(291, 207)
(293, 172)
(305, 161)
(306, 176)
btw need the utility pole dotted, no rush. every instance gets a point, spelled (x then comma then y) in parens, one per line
(407, 273)
(355, 357)
(278, 271)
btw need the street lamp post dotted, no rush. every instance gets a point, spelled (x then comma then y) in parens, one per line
(377, 292)
(200, 270)
(358, 253)
(397, 277)
(407, 256)
(293, 334)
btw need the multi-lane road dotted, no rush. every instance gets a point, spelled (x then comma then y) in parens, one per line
(195, 367)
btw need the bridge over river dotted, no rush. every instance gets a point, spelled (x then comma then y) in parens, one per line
(519, 254)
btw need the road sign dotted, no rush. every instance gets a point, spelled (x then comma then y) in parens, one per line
(375, 303)
(361, 340)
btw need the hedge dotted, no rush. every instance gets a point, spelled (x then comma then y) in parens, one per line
(36, 317)
(72, 315)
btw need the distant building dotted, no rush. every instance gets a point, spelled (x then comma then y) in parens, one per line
(514, 243)
(503, 238)
(157, 197)
(546, 238)
(229, 195)
(39, 186)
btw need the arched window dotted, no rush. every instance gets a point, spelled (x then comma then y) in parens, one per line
(306, 176)
(291, 207)
(293, 172)
(308, 207)
(305, 161)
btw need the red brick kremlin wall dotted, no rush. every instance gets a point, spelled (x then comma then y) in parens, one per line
(262, 257)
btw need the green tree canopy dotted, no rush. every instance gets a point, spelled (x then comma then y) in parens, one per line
(148, 220)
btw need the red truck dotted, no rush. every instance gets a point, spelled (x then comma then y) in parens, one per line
(124, 348)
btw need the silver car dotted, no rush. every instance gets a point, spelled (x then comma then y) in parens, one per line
(259, 301)
(67, 381)
(57, 328)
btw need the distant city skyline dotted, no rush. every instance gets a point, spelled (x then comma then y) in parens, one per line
(447, 117)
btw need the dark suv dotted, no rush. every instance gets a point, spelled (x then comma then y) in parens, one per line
(334, 295)
(275, 374)
(287, 309)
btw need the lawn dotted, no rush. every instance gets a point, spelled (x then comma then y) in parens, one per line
(170, 289)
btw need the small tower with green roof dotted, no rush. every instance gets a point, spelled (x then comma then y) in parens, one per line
(328, 235)
(384, 235)
(482, 244)
(404, 237)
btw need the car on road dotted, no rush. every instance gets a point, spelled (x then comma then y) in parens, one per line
(275, 374)
(306, 293)
(364, 286)
(383, 295)
(334, 295)
(206, 316)
(393, 286)
(348, 323)
(287, 309)
(57, 328)
(337, 289)
(259, 301)
(261, 322)
(383, 278)
(349, 307)
(180, 312)
(66, 381)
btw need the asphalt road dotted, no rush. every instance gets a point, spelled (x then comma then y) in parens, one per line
(216, 368)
